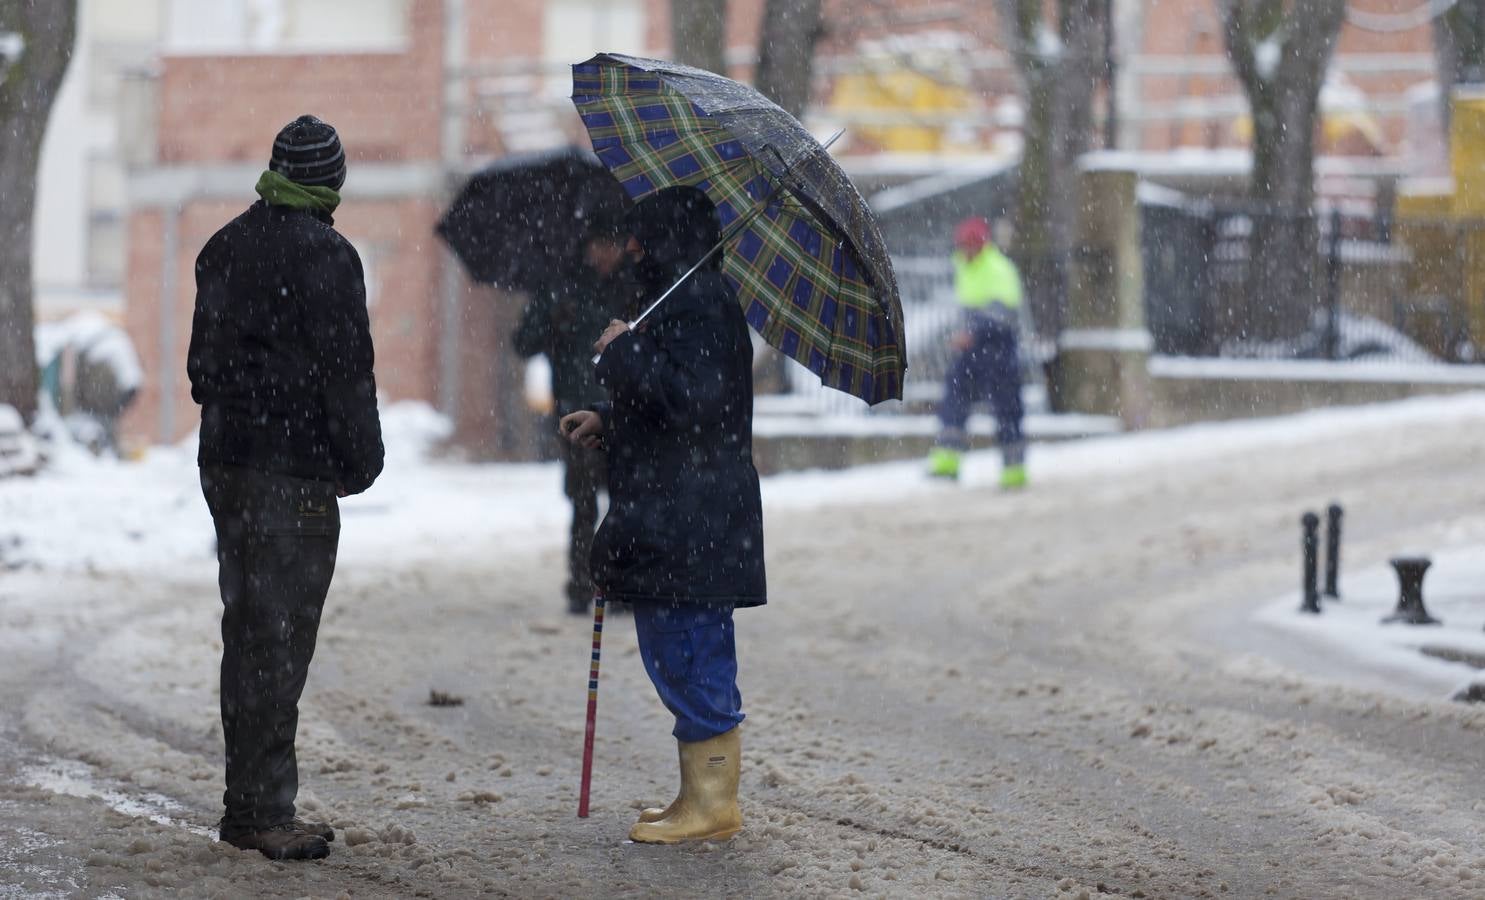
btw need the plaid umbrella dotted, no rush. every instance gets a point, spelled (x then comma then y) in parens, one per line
(810, 270)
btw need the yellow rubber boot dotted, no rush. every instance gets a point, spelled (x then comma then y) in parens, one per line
(707, 808)
(656, 813)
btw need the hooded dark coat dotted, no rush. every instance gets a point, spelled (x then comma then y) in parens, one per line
(281, 355)
(685, 522)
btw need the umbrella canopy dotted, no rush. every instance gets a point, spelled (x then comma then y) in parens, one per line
(811, 271)
(525, 218)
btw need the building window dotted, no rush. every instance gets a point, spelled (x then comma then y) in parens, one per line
(574, 30)
(286, 26)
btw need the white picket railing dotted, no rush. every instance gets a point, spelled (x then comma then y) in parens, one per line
(930, 314)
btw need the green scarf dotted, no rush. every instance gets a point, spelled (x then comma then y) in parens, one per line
(278, 190)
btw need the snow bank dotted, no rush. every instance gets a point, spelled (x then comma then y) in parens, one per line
(1432, 659)
(95, 514)
(85, 514)
(17, 450)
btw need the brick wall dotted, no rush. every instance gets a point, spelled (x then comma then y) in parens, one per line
(1191, 28)
(403, 263)
(387, 106)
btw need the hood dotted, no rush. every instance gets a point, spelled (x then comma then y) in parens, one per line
(676, 227)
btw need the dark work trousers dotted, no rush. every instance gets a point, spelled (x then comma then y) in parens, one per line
(584, 476)
(690, 654)
(989, 369)
(276, 543)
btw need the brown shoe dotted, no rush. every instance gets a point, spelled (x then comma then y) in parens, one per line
(281, 842)
(318, 829)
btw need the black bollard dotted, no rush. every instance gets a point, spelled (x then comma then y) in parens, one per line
(1410, 611)
(1333, 551)
(1311, 546)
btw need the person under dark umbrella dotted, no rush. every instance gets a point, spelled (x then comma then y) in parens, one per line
(683, 537)
(281, 362)
(560, 321)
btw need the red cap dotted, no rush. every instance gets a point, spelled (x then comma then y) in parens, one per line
(972, 234)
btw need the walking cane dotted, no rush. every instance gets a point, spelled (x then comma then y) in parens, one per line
(592, 707)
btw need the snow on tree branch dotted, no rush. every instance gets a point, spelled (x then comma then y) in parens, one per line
(12, 45)
(1267, 54)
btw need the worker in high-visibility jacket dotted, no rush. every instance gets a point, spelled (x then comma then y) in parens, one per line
(987, 359)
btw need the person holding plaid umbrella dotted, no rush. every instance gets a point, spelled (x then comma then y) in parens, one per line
(742, 219)
(683, 538)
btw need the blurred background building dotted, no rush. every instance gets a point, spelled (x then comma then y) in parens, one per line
(170, 106)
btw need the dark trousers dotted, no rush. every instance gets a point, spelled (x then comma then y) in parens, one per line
(990, 369)
(690, 654)
(584, 476)
(276, 543)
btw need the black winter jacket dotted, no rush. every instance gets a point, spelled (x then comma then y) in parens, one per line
(685, 522)
(281, 356)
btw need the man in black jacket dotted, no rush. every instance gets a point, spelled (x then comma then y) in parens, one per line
(281, 363)
(561, 321)
(683, 538)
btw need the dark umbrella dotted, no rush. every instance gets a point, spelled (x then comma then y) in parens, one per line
(802, 250)
(523, 219)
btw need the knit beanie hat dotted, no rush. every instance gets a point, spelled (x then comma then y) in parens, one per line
(308, 151)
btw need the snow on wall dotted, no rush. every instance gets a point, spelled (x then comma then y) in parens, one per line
(1314, 370)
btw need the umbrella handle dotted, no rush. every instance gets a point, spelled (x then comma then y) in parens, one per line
(592, 708)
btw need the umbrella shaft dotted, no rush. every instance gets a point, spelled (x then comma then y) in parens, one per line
(682, 280)
(736, 229)
(733, 232)
(739, 226)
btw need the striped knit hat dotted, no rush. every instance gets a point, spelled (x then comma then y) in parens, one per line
(308, 151)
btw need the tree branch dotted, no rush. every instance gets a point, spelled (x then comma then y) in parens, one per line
(1238, 39)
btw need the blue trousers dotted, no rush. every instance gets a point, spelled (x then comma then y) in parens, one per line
(690, 655)
(990, 369)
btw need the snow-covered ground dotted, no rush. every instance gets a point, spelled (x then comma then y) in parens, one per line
(1097, 687)
(148, 515)
(1444, 659)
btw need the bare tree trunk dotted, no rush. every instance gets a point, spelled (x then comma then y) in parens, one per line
(786, 52)
(1060, 63)
(698, 33)
(1459, 49)
(1280, 57)
(42, 31)
(786, 58)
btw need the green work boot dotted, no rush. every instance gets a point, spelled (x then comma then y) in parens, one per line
(1013, 478)
(944, 463)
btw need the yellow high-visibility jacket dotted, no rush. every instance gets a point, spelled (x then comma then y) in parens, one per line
(990, 277)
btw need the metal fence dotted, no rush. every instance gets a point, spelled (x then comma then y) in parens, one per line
(1377, 290)
(930, 314)
(1360, 297)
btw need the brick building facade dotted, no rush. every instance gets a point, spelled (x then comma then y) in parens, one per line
(463, 81)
